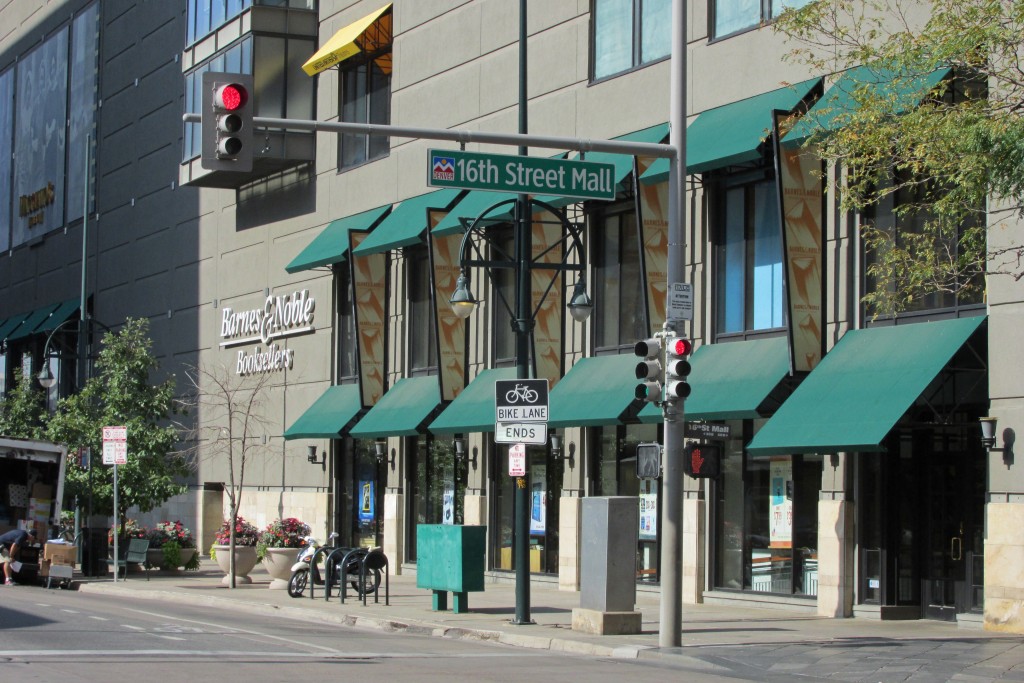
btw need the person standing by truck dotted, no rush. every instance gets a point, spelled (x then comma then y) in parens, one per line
(10, 547)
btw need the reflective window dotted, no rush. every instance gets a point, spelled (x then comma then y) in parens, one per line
(366, 95)
(437, 485)
(421, 328)
(748, 250)
(733, 16)
(347, 341)
(629, 33)
(619, 318)
(82, 109)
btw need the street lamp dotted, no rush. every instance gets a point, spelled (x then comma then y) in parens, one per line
(522, 263)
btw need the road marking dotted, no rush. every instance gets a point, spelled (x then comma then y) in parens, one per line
(70, 611)
(134, 628)
(99, 618)
(178, 653)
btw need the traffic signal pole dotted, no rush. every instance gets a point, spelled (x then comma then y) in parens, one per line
(671, 606)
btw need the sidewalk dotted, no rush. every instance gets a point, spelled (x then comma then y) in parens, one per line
(706, 628)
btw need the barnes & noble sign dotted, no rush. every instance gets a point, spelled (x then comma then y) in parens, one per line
(279, 318)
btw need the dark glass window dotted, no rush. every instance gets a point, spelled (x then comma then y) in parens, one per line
(766, 521)
(748, 257)
(629, 33)
(366, 97)
(422, 332)
(503, 299)
(348, 353)
(619, 319)
(733, 16)
(437, 485)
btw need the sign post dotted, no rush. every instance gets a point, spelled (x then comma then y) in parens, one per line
(115, 452)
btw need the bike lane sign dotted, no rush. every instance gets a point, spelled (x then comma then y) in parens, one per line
(519, 402)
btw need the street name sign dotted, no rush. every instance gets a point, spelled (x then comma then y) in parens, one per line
(521, 174)
(706, 430)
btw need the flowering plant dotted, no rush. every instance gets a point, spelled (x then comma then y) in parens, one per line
(165, 532)
(245, 533)
(132, 529)
(285, 533)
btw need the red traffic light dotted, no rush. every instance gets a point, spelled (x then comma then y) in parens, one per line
(231, 97)
(680, 346)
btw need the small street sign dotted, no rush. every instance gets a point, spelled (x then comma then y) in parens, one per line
(704, 430)
(115, 452)
(115, 433)
(517, 460)
(521, 400)
(520, 174)
(680, 301)
(535, 433)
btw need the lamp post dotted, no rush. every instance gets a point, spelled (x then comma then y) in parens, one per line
(522, 263)
(85, 325)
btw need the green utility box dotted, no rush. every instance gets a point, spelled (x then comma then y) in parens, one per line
(450, 558)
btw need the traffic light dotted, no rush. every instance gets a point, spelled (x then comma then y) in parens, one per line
(649, 370)
(702, 460)
(227, 122)
(677, 368)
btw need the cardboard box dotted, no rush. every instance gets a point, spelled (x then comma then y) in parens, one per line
(42, 491)
(61, 553)
(44, 568)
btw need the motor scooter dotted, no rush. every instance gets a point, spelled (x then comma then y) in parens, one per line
(304, 567)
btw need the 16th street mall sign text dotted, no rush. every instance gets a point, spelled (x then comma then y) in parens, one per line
(521, 174)
(281, 316)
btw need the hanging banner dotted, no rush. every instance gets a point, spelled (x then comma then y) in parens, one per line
(652, 222)
(547, 333)
(799, 174)
(369, 274)
(780, 501)
(450, 328)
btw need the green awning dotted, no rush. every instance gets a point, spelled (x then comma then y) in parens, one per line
(862, 387)
(834, 108)
(29, 325)
(473, 409)
(402, 411)
(406, 222)
(64, 311)
(471, 206)
(331, 245)
(732, 381)
(329, 414)
(623, 162)
(733, 133)
(597, 391)
(8, 325)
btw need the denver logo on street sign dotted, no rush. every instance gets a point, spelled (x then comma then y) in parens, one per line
(521, 174)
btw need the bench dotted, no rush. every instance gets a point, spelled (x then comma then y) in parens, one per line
(135, 554)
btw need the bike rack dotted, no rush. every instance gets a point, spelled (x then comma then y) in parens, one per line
(322, 550)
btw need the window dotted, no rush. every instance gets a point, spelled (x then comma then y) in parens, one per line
(733, 16)
(766, 519)
(629, 33)
(894, 219)
(205, 16)
(348, 355)
(437, 485)
(748, 257)
(366, 97)
(619, 319)
(422, 333)
(503, 299)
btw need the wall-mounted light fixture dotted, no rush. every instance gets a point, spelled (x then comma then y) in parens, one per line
(460, 450)
(988, 438)
(313, 460)
(380, 449)
(556, 450)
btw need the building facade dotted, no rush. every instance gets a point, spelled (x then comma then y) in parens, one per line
(853, 482)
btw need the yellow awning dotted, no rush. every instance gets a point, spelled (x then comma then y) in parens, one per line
(367, 34)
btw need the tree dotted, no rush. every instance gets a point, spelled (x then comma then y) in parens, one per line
(121, 394)
(22, 413)
(230, 430)
(956, 160)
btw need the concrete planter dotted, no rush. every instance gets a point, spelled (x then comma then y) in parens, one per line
(155, 558)
(278, 562)
(245, 560)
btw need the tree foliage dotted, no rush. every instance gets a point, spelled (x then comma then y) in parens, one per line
(121, 394)
(955, 162)
(22, 411)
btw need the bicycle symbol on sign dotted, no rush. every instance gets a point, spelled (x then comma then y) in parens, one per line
(521, 392)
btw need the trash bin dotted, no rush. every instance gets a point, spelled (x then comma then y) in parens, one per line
(94, 552)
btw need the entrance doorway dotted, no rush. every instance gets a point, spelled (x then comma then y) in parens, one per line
(921, 524)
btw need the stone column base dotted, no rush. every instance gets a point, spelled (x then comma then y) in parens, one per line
(606, 623)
